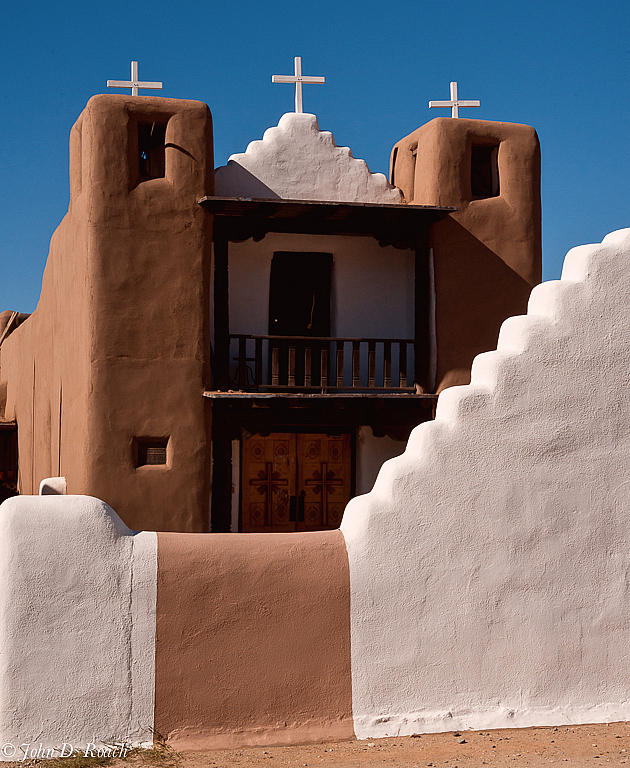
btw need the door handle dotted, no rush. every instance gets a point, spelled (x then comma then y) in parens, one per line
(300, 506)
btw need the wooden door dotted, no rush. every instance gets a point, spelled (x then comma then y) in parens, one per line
(323, 465)
(268, 483)
(294, 482)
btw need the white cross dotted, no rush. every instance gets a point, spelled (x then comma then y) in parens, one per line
(454, 103)
(298, 79)
(134, 84)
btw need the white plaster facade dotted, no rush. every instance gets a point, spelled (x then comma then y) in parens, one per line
(296, 160)
(371, 291)
(489, 566)
(77, 636)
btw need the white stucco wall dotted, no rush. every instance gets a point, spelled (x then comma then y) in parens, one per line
(77, 634)
(490, 565)
(295, 160)
(371, 292)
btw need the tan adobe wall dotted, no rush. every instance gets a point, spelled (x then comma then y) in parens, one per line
(46, 360)
(487, 255)
(125, 304)
(259, 653)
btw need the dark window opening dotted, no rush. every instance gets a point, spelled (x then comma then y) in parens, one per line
(151, 143)
(484, 171)
(150, 450)
(299, 294)
(299, 305)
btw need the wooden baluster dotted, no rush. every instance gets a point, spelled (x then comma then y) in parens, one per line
(371, 363)
(356, 364)
(242, 362)
(291, 381)
(402, 363)
(275, 365)
(258, 364)
(387, 364)
(307, 364)
(324, 370)
(339, 364)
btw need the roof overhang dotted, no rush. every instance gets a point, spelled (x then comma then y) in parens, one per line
(403, 226)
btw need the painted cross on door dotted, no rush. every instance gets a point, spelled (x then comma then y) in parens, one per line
(294, 482)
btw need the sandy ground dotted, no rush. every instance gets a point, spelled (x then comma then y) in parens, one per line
(579, 746)
(585, 745)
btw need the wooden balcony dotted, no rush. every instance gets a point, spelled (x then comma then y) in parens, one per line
(321, 364)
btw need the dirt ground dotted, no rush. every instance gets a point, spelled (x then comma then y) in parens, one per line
(585, 745)
(579, 746)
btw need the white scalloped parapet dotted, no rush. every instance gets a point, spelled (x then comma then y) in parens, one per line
(298, 161)
(490, 564)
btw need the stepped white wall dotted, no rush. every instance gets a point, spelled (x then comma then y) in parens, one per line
(298, 161)
(490, 564)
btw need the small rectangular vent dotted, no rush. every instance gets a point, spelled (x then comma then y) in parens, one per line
(151, 451)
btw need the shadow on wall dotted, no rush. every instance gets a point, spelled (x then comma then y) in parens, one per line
(475, 291)
(232, 180)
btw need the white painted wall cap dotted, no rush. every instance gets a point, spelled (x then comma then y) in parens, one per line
(296, 160)
(72, 511)
(53, 486)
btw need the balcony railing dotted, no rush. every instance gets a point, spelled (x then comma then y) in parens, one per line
(321, 364)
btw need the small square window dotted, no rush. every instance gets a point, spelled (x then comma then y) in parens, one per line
(484, 171)
(150, 451)
(151, 146)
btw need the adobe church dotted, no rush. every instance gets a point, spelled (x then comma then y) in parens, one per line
(241, 348)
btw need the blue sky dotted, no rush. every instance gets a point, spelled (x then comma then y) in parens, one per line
(561, 67)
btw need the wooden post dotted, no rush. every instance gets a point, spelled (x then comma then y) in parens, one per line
(221, 310)
(221, 507)
(422, 341)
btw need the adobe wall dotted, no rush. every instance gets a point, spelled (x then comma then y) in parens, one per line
(488, 566)
(207, 640)
(482, 583)
(122, 324)
(259, 651)
(487, 255)
(45, 362)
(151, 294)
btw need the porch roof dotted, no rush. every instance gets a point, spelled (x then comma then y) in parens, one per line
(400, 225)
